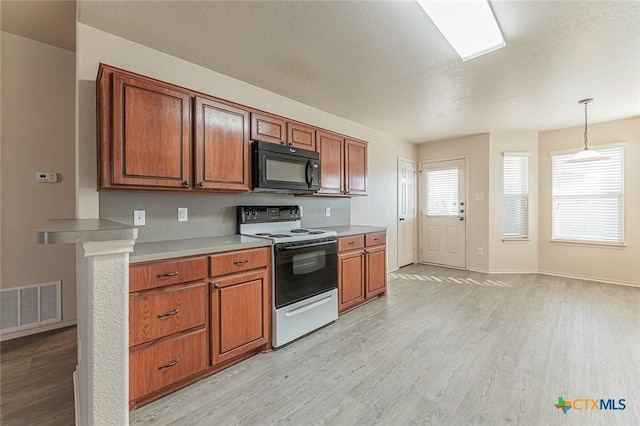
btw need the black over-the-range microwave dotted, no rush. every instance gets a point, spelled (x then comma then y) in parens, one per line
(284, 169)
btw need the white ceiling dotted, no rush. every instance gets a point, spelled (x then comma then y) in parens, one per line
(385, 65)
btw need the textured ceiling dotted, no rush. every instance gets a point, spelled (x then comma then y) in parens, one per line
(51, 22)
(385, 65)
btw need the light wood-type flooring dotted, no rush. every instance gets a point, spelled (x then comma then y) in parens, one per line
(446, 347)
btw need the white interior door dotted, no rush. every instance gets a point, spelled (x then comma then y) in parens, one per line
(406, 211)
(443, 213)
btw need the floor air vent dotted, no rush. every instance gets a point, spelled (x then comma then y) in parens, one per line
(29, 306)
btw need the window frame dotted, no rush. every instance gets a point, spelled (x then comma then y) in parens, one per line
(620, 196)
(522, 236)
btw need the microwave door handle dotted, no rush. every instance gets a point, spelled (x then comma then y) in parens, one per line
(308, 172)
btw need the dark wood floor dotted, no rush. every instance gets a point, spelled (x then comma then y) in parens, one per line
(36, 379)
(446, 347)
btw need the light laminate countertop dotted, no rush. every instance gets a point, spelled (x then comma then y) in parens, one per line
(346, 230)
(157, 250)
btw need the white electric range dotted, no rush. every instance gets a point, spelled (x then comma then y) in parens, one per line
(305, 276)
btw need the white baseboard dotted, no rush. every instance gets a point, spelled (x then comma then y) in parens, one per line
(524, 271)
(76, 397)
(585, 278)
(36, 330)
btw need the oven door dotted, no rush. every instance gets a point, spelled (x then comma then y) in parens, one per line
(304, 269)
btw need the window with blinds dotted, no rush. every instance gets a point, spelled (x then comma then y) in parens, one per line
(516, 195)
(588, 198)
(442, 191)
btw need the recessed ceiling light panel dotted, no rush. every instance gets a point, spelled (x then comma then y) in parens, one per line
(469, 26)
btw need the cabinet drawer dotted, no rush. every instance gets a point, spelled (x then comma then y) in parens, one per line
(236, 261)
(350, 243)
(375, 238)
(161, 365)
(160, 314)
(152, 275)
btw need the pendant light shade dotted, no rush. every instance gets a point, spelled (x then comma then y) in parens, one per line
(586, 155)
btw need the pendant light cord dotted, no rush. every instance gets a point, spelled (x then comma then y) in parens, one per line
(586, 144)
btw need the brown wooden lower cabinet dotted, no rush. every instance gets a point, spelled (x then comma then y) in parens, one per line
(362, 269)
(183, 328)
(166, 363)
(239, 314)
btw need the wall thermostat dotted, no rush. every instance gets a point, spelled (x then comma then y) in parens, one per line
(47, 177)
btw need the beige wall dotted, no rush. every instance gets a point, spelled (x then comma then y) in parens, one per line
(614, 264)
(476, 150)
(94, 46)
(512, 256)
(37, 135)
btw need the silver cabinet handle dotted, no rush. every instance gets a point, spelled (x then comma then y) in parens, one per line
(200, 184)
(185, 183)
(171, 364)
(169, 314)
(168, 275)
(216, 286)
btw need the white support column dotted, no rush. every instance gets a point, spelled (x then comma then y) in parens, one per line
(103, 335)
(101, 381)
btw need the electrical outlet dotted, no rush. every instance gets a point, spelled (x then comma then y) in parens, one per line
(480, 251)
(182, 214)
(327, 211)
(138, 218)
(300, 211)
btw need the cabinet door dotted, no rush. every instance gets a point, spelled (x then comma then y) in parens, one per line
(331, 149)
(355, 167)
(350, 279)
(151, 139)
(301, 136)
(268, 128)
(239, 314)
(376, 270)
(222, 146)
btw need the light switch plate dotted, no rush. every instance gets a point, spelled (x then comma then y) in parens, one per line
(138, 218)
(327, 211)
(183, 214)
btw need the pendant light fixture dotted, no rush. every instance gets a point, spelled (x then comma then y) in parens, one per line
(586, 154)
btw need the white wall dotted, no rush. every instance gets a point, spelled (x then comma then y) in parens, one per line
(512, 256)
(612, 264)
(95, 46)
(476, 150)
(37, 135)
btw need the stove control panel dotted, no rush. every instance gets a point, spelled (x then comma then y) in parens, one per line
(265, 214)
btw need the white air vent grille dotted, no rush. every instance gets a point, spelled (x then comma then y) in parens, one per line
(29, 306)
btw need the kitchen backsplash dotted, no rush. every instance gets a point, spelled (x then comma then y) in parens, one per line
(210, 215)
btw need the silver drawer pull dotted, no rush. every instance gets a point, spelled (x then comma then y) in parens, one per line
(169, 314)
(240, 262)
(351, 243)
(170, 274)
(171, 364)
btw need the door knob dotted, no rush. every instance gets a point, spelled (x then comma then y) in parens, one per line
(461, 218)
(401, 219)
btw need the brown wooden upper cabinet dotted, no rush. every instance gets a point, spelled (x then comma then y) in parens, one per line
(270, 128)
(144, 132)
(343, 165)
(145, 138)
(222, 146)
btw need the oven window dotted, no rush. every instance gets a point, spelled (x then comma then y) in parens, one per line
(307, 263)
(285, 171)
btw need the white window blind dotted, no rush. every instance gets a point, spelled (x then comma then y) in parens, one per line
(442, 191)
(588, 198)
(516, 195)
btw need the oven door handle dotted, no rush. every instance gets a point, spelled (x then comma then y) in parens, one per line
(324, 243)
